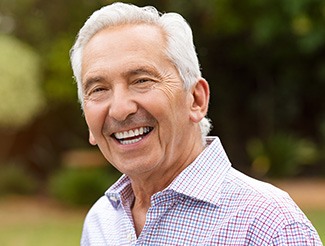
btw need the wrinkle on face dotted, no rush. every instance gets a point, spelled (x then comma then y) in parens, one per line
(170, 85)
(140, 73)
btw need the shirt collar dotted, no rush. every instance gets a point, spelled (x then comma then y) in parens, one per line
(201, 179)
(121, 190)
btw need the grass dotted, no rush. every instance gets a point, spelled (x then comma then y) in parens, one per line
(29, 222)
(51, 233)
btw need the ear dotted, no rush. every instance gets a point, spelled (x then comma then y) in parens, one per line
(200, 102)
(92, 140)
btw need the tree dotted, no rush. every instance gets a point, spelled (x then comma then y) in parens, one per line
(20, 91)
(264, 60)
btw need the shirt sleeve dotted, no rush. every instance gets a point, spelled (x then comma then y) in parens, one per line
(297, 234)
(84, 239)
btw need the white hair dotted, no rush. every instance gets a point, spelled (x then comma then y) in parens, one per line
(180, 47)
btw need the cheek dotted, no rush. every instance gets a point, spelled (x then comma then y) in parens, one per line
(172, 102)
(170, 109)
(95, 117)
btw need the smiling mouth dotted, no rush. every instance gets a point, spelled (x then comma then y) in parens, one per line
(132, 136)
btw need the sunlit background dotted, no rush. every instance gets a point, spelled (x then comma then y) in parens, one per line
(264, 60)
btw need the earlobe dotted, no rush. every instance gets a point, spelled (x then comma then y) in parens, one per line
(200, 103)
(92, 140)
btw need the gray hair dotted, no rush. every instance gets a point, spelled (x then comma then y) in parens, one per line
(180, 47)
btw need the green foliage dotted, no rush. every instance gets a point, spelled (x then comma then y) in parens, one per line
(317, 217)
(15, 180)
(81, 186)
(60, 86)
(264, 61)
(265, 65)
(281, 155)
(20, 83)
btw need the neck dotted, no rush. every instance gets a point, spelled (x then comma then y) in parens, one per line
(145, 185)
(143, 190)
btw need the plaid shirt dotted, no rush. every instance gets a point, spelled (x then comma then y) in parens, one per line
(209, 203)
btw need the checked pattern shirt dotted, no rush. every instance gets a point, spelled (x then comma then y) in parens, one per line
(209, 203)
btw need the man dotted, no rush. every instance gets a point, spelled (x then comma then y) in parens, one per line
(145, 103)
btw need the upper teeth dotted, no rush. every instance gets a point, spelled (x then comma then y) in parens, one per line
(131, 133)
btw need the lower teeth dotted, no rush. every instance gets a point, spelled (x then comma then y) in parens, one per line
(125, 142)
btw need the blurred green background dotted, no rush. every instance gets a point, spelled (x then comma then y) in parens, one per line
(264, 60)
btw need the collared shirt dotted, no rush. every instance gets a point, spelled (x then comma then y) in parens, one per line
(208, 203)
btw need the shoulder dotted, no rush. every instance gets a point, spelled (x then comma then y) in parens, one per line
(101, 208)
(257, 197)
(269, 213)
(99, 223)
(93, 221)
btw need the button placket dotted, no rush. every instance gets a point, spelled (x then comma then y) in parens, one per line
(161, 203)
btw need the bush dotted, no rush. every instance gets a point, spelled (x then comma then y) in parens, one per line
(281, 155)
(81, 186)
(15, 180)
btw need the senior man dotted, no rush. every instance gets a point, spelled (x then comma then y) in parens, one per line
(145, 103)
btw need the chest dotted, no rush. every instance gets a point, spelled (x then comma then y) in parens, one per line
(177, 222)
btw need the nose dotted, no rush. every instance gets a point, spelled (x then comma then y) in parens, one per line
(122, 104)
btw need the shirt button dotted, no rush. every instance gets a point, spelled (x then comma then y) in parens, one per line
(129, 236)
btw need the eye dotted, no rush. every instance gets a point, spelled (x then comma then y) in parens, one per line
(143, 80)
(95, 90)
(96, 93)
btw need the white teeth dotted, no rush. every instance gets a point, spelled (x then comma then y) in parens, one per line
(119, 135)
(124, 142)
(131, 133)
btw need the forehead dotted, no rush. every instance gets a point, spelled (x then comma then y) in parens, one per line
(124, 44)
(127, 37)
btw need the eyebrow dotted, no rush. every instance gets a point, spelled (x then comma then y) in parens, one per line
(146, 70)
(90, 81)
